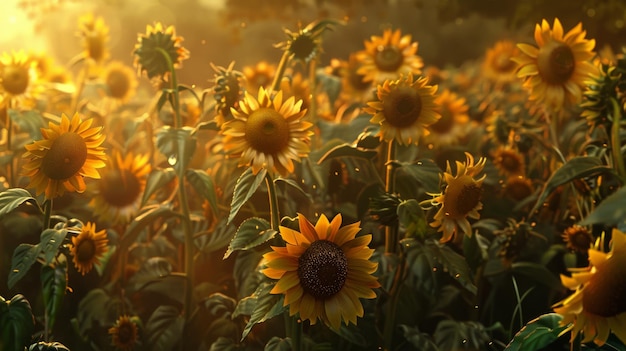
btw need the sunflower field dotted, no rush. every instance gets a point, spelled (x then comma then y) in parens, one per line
(238, 175)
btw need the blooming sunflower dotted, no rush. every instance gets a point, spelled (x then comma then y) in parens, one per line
(120, 81)
(509, 162)
(148, 55)
(124, 333)
(298, 87)
(353, 84)
(460, 198)
(267, 133)
(498, 65)
(17, 77)
(68, 152)
(95, 34)
(518, 187)
(389, 57)
(454, 122)
(404, 108)
(556, 71)
(119, 191)
(259, 75)
(88, 247)
(597, 306)
(323, 271)
(578, 238)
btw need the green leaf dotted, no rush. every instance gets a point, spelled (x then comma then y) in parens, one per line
(171, 286)
(92, 308)
(537, 334)
(164, 328)
(183, 87)
(224, 344)
(412, 218)
(23, 258)
(424, 171)
(453, 335)
(352, 334)
(151, 269)
(209, 242)
(208, 125)
(293, 185)
(30, 121)
(178, 146)
(267, 306)
(165, 94)
(202, 182)
(577, 167)
(536, 272)
(278, 344)
(157, 179)
(12, 198)
(420, 341)
(147, 217)
(250, 234)
(611, 211)
(16, 323)
(348, 150)
(246, 186)
(54, 283)
(48, 346)
(50, 241)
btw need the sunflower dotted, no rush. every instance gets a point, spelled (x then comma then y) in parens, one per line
(120, 81)
(518, 187)
(68, 152)
(389, 57)
(259, 75)
(597, 306)
(323, 271)
(17, 77)
(460, 198)
(498, 65)
(404, 108)
(88, 247)
(267, 133)
(556, 71)
(124, 333)
(118, 195)
(305, 44)
(149, 56)
(95, 34)
(578, 238)
(454, 122)
(353, 84)
(227, 91)
(509, 162)
(298, 87)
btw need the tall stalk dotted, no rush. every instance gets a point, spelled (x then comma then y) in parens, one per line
(616, 143)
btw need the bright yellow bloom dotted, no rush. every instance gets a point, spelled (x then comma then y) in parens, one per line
(17, 77)
(88, 247)
(454, 123)
(323, 271)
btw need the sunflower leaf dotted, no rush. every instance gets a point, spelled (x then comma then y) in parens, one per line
(347, 150)
(419, 340)
(203, 184)
(611, 211)
(537, 272)
(147, 217)
(424, 171)
(575, 168)
(157, 179)
(16, 323)
(246, 186)
(50, 241)
(453, 335)
(178, 146)
(278, 344)
(537, 334)
(250, 234)
(164, 328)
(54, 284)
(266, 307)
(12, 198)
(24, 256)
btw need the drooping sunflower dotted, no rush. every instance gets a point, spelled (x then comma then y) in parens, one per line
(118, 193)
(88, 247)
(124, 333)
(460, 198)
(597, 305)
(405, 107)
(120, 81)
(454, 122)
(69, 152)
(17, 77)
(498, 65)
(389, 57)
(305, 44)
(323, 271)
(268, 133)
(151, 60)
(556, 71)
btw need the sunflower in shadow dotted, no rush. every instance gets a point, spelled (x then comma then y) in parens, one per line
(454, 122)
(68, 152)
(259, 75)
(88, 247)
(17, 79)
(556, 71)
(498, 65)
(405, 107)
(597, 306)
(124, 333)
(389, 57)
(267, 133)
(118, 193)
(305, 44)
(323, 271)
(153, 47)
(120, 81)
(460, 199)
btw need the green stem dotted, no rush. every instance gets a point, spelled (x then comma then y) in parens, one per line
(392, 304)
(391, 232)
(280, 71)
(47, 212)
(313, 84)
(174, 85)
(616, 144)
(575, 344)
(81, 86)
(9, 124)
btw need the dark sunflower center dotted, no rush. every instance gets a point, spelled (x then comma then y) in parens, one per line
(443, 124)
(388, 58)
(120, 187)
(118, 83)
(303, 47)
(267, 131)
(126, 333)
(580, 238)
(95, 46)
(86, 250)
(323, 269)
(356, 80)
(15, 79)
(556, 62)
(604, 294)
(66, 157)
(402, 107)
(462, 195)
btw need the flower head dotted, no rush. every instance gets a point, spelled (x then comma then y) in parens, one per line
(267, 133)
(454, 122)
(509, 162)
(556, 71)
(578, 238)
(259, 75)
(405, 107)
(88, 247)
(95, 34)
(17, 76)
(228, 90)
(69, 152)
(388, 57)
(120, 81)
(305, 44)
(124, 333)
(323, 271)
(597, 306)
(498, 65)
(152, 47)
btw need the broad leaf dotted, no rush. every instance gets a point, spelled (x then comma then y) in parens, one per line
(246, 186)
(611, 211)
(250, 234)
(178, 146)
(218, 239)
(412, 218)
(278, 344)
(424, 171)
(157, 179)
(420, 341)
(16, 323)
(30, 121)
(267, 306)
(203, 184)
(225, 344)
(453, 335)
(347, 150)
(151, 269)
(146, 218)
(352, 334)
(171, 286)
(164, 328)
(537, 334)
(50, 241)
(12, 198)
(54, 283)
(536, 272)
(23, 258)
(92, 308)
(292, 184)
